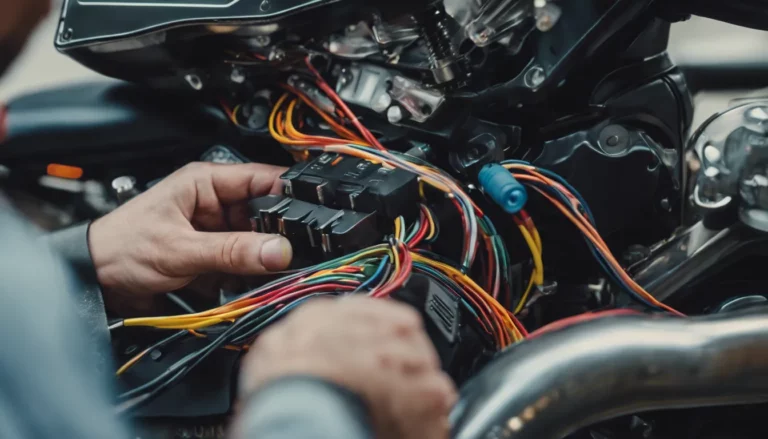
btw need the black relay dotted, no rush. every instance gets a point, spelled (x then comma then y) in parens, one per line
(345, 182)
(335, 204)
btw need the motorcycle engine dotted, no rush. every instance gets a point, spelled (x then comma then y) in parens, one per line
(578, 89)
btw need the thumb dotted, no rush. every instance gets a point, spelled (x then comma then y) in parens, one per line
(244, 253)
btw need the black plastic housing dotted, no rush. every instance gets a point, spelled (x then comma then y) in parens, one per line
(461, 345)
(344, 182)
(316, 232)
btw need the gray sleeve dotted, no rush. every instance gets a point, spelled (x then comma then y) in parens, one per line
(52, 383)
(303, 407)
(71, 244)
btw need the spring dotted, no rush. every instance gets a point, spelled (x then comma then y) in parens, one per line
(435, 31)
(443, 57)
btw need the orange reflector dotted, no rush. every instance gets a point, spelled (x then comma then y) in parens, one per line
(65, 171)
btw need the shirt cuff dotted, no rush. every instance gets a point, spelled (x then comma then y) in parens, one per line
(303, 407)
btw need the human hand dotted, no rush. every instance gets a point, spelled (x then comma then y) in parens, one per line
(376, 348)
(192, 222)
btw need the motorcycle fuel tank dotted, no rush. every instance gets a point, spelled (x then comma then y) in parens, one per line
(86, 22)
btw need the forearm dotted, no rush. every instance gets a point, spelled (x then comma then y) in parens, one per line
(71, 244)
(302, 407)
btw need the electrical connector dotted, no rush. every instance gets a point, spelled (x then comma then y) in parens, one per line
(503, 188)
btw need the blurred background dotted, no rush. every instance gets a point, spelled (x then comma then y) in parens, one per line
(700, 42)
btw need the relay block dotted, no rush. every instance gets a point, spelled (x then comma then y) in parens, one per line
(336, 204)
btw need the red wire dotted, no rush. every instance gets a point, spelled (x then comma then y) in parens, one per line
(343, 106)
(406, 266)
(491, 265)
(518, 323)
(581, 318)
(316, 288)
(463, 224)
(421, 233)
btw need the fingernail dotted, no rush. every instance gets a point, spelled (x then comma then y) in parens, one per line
(276, 254)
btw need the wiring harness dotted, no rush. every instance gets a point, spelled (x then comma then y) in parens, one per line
(381, 270)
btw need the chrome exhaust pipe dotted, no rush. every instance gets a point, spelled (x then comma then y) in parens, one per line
(559, 382)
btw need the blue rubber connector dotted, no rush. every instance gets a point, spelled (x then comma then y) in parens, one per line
(502, 187)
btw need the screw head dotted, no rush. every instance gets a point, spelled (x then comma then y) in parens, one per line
(261, 40)
(237, 76)
(124, 184)
(394, 114)
(67, 35)
(194, 81)
(155, 355)
(535, 76)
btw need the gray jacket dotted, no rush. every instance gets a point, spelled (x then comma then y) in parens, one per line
(55, 374)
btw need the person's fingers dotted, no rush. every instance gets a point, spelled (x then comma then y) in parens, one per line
(244, 253)
(239, 217)
(400, 317)
(422, 404)
(234, 183)
(398, 354)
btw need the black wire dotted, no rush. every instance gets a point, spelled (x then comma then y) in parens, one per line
(252, 328)
(181, 303)
(158, 379)
(203, 354)
(162, 382)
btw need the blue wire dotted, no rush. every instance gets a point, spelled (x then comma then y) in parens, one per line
(376, 274)
(612, 274)
(562, 181)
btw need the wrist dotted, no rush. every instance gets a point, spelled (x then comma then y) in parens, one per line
(102, 256)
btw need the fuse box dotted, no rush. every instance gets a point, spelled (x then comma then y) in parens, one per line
(345, 182)
(335, 204)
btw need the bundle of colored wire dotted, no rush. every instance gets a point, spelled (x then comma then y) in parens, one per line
(506, 328)
(286, 133)
(378, 271)
(557, 191)
(342, 274)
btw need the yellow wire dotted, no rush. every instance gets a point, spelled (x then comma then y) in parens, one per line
(537, 261)
(396, 257)
(527, 292)
(537, 238)
(131, 362)
(292, 131)
(233, 115)
(339, 129)
(471, 284)
(432, 227)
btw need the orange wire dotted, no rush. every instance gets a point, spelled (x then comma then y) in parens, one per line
(338, 128)
(131, 362)
(589, 231)
(293, 132)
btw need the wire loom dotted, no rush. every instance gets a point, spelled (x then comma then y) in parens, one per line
(381, 270)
